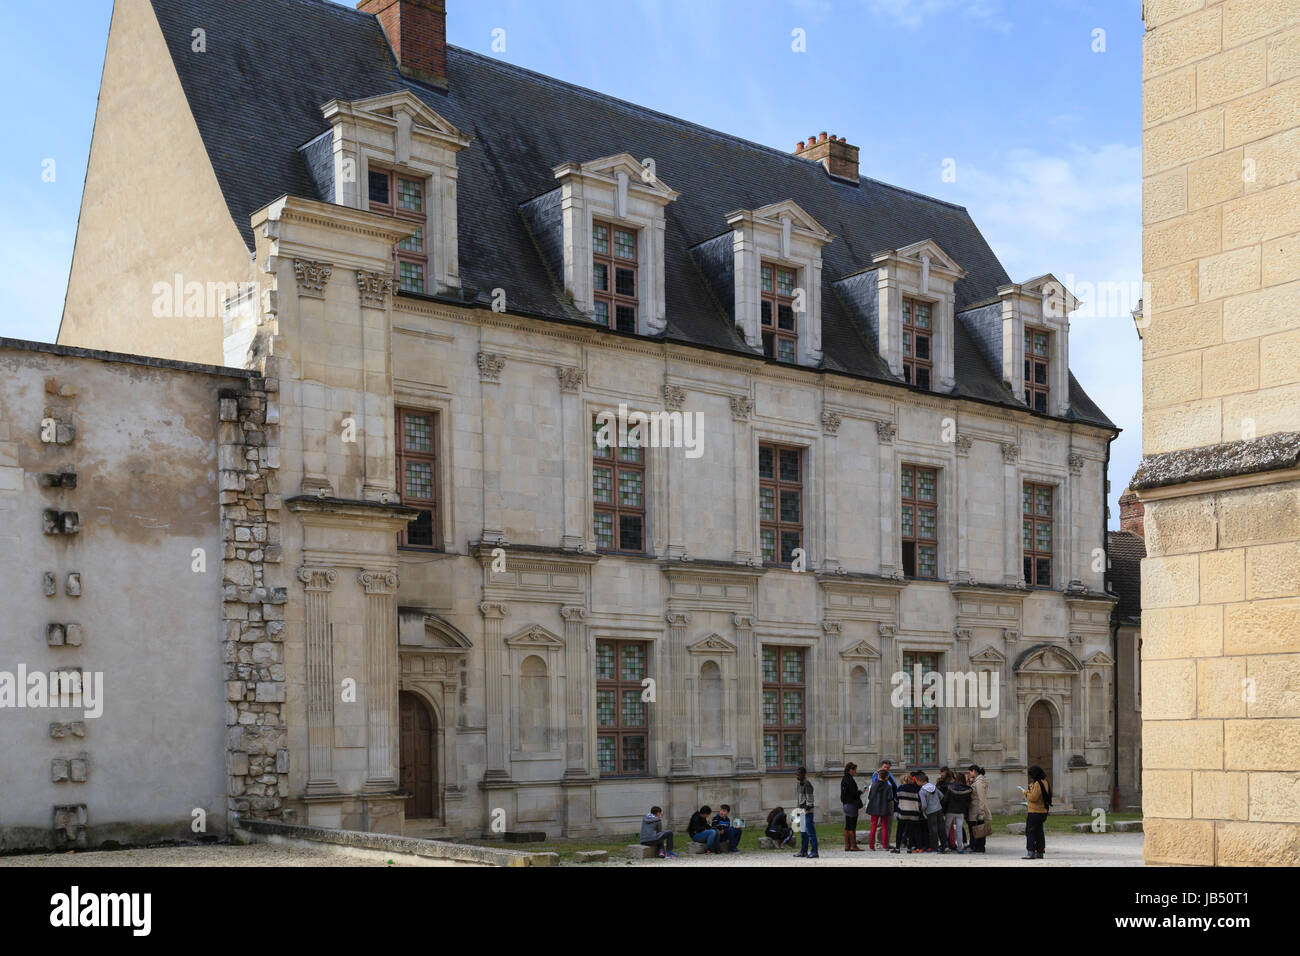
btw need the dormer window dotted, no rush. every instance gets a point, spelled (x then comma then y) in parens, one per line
(1037, 387)
(614, 275)
(918, 356)
(780, 333)
(403, 197)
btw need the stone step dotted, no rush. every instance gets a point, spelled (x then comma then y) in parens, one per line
(1128, 826)
(639, 851)
(590, 856)
(1017, 828)
(1089, 828)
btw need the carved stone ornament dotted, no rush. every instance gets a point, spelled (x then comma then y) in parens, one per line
(831, 422)
(1076, 464)
(571, 379)
(378, 582)
(674, 397)
(317, 579)
(312, 277)
(886, 432)
(741, 408)
(374, 286)
(1010, 452)
(490, 367)
(964, 443)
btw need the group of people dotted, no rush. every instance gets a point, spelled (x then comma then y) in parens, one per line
(949, 814)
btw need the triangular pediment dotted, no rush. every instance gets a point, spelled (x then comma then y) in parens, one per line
(799, 217)
(534, 636)
(861, 651)
(712, 644)
(639, 175)
(389, 105)
(989, 655)
(1100, 659)
(940, 261)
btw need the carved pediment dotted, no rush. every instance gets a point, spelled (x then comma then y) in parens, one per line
(390, 106)
(712, 644)
(800, 219)
(989, 655)
(1100, 659)
(534, 636)
(861, 651)
(639, 176)
(940, 261)
(1048, 658)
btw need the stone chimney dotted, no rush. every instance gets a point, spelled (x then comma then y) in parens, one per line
(417, 33)
(839, 158)
(1131, 514)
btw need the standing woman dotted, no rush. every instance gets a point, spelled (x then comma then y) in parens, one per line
(1038, 800)
(978, 813)
(851, 797)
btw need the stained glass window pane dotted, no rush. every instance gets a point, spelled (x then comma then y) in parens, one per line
(785, 281)
(1027, 500)
(634, 754)
(379, 188)
(792, 709)
(789, 506)
(601, 312)
(630, 537)
(789, 465)
(624, 244)
(606, 714)
(626, 318)
(789, 542)
(909, 750)
(411, 275)
(1040, 343)
(923, 347)
(600, 277)
(413, 243)
(769, 665)
(601, 485)
(410, 195)
(771, 713)
(1044, 501)
(1026, 532)
(625, 282)
(605, 661)
(631, 492)
(633, 709)
(419, 480)
(785, 318)
(907, 483)
(907, 343)
(922, 315)
(926, 516)
(1029, 569)
(785, 350)
(418, 432)
(929, 748)
(792, 666)
(1044, 572)
(767, 504)
(767, 278)
(633, 661)
(768, 544)
(771, 750)
(766, 309)
(1040, 373)
(927, 563)
(907, 312)
(765, 463)
(925, 484)
(1043, 536)
(604, 527)
(600, 239)
(908, 526)
(606, 754)
(793, 750)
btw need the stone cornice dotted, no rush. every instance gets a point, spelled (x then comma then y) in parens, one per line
(1270, 453)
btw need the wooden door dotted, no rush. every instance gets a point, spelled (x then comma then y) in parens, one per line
(1039, 730)
(417, 757)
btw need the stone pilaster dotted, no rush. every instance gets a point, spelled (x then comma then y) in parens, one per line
(381, 678)
(576, 666)
(494, 708)
(494, 418)
(749, 729)
(679, 753)
(318, 582)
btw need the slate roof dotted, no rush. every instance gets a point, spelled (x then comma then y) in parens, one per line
(1126, 551)
(256, 95)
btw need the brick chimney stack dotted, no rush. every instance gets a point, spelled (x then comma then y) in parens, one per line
(839, 158)
(417, 33)
(1131, 514)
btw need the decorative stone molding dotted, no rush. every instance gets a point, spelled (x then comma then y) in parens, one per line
(573, 613)
(742, 622)
(712, 644)
(374, 286)
(861, 651)
(493, 609)
(886, 432)
(674, 397)
(831, 423)
(832, 627)
(1010, 452)
(964, 443)
(312, 277)
(1076, 464)
(535, 636)
(378, 582)
(317, 579)
(677, 618)
(571, 379)
(961, 633)
(1076, 638)
(741, 408)
(885, 630)
(1010, 636)
(490, 366)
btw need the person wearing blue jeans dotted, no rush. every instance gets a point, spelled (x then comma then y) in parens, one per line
(700, 831)
(804, 801)
(728, 833)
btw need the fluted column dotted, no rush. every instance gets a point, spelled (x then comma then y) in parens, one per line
(381, 678)
(748, 731)
(575, 685)
(320, 680)
(679, 759)
(494, 710)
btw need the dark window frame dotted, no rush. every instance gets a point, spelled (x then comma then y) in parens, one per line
(776, 524)
(918, 504)
(612, 457)
(610, 295)
(916, 726)
(1030, 520)
(393, 208)
(781, 729)
(1038, 394)
(431, 505)
(619, 730)
(915, 367)
(774, 299)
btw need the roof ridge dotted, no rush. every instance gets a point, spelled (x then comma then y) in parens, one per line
(608, 97)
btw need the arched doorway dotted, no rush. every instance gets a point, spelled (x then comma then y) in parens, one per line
(419, 750)
(1039, 737)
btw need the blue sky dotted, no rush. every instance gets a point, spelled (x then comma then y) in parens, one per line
(1033, 113)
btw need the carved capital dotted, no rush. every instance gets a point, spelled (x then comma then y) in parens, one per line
(312, 277)
(317, 579)
(490, 366)
(963, 444)
(1010, 452)
(831, 423)
(374, 286)
(832, 627)
(378, 582)
(886, 432)
(573, 613)
(886, 630)
(1010, 636)
(674, 397)
(961, 633)
(677, 618)
(1076, 464)
(493, 609)
(741, 408)
(571, 379)
(742, 622)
